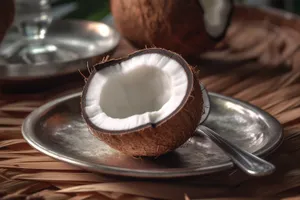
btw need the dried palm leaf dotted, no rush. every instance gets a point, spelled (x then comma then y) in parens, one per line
(41, 166)
(10, 121)
(62, 177)
(10, 133)
(32, 188)
(283, 106)
(7, 143)
(81, 197)
(289, 116)
(148, 189)
(20, 151)
(9, 186)
(48, 195)
(16, 109)
(25, 159)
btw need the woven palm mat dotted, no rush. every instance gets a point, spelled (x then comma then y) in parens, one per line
(27, 174)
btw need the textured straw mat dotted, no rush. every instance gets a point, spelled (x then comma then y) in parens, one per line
(267, 83)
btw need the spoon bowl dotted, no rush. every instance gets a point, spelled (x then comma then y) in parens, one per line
(247, 162)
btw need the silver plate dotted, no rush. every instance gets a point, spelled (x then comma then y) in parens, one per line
(58, 130)
(82, 41)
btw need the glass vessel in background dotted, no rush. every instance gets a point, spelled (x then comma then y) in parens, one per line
(32, 19)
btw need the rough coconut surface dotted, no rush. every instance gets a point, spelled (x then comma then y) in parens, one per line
(177, 25)
(164, 118)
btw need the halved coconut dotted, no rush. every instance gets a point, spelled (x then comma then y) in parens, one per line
(145, 104)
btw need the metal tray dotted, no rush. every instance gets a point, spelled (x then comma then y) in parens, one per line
(83, 41)
(58, 130)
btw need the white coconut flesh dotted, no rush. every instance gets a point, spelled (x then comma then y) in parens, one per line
(142, 90)
(216, 15)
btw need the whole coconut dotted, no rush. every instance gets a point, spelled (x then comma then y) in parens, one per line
(7, 12)
(177, 25)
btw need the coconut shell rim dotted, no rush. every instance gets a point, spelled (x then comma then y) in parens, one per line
(173, 55)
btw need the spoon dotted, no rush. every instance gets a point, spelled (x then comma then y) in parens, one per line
(247, 162)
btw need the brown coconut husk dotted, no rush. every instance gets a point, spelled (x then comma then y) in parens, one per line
(161, 137)
(174, 25)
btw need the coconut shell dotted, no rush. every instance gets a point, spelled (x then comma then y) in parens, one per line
(7, 12)
(176, 25)
(164, 136)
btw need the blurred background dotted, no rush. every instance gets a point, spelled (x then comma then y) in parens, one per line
(99, 9)
(29, 44)
(81, 9)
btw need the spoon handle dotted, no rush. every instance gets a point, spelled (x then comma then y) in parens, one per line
(247, 162)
